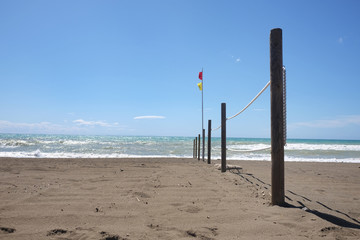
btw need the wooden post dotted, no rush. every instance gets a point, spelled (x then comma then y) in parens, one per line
(199, 147)
(223, 137)
(277, 130)
(195, 148)
(203, 145)
(209, 142)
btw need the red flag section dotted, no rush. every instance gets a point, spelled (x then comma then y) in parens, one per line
(200, 75)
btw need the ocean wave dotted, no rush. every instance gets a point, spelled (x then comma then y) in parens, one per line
(322, 147)
(15, 143)
(247, 157)
(39, 154)
(290, 159)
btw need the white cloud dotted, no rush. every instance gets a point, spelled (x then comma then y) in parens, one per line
(7, 124)
(82, 122)
(149, 117)
(339, 122)
(340, 40)
(42, 127)
(80, 127)
(236, 59)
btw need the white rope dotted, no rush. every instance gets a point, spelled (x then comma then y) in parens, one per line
(256, 150)
(267, 85)
(284, 105)
(214, 129)
(250, 102)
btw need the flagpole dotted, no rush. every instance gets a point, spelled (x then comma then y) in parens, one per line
(202, 101)
(202, 113)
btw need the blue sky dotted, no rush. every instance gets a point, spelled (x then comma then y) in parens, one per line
(130, 67)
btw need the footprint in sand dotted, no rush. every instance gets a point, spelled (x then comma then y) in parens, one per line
(107, 236)
(56, 232)
(7, 230)
(190, 209)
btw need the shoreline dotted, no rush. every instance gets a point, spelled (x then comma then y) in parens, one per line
(177, 198)
(147, 158)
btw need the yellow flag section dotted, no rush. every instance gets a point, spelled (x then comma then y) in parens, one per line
(200, 85)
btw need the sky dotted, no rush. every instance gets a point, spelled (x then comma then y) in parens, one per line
(130, 67)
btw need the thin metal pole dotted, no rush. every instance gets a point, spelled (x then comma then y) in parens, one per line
(209, 142)
(223, 137)
(277, 118)
(202, 113)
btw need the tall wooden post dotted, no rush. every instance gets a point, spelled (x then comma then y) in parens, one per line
(193, 148)
(199, 147)
(223, 137)
(277, 120)
(209, 142)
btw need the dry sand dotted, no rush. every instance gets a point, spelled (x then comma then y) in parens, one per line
(174, 199)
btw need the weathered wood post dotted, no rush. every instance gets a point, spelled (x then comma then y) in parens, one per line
(203, 145)
(209, 142)
(277, 120)
(199, 147)
(195, 147)
(223, 137)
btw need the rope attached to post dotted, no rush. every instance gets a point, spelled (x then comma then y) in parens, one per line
(284, 105)
(250, 102)
(254, 150)
(266, 86)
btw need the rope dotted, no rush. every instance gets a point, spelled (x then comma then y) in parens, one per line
(214, 129)
(250, 102)
(256, 150)
(284, 105)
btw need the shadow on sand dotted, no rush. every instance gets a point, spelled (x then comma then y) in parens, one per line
(250, 178)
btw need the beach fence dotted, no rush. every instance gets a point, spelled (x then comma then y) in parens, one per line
(277, 85)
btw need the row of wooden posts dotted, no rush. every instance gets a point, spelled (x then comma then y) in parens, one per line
(277, 123)
(197, 141)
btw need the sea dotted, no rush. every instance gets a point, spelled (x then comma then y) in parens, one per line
(72, 146)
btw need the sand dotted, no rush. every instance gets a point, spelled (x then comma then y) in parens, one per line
(175, 199)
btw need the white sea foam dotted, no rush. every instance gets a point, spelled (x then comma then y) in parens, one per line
(322, 147)
(289, 159)
(39, 154)
(57, 146)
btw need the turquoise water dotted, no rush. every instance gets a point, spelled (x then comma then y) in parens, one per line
(68, 146)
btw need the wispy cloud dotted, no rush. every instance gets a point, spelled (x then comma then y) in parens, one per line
(79, 126)
(340, 40)
(82, 122)
(338, 122)
(236, 59)
(27, 125)
(149, 117)
(41, 127)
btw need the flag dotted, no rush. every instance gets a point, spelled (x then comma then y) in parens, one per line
(200, 75)
(200, 85)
